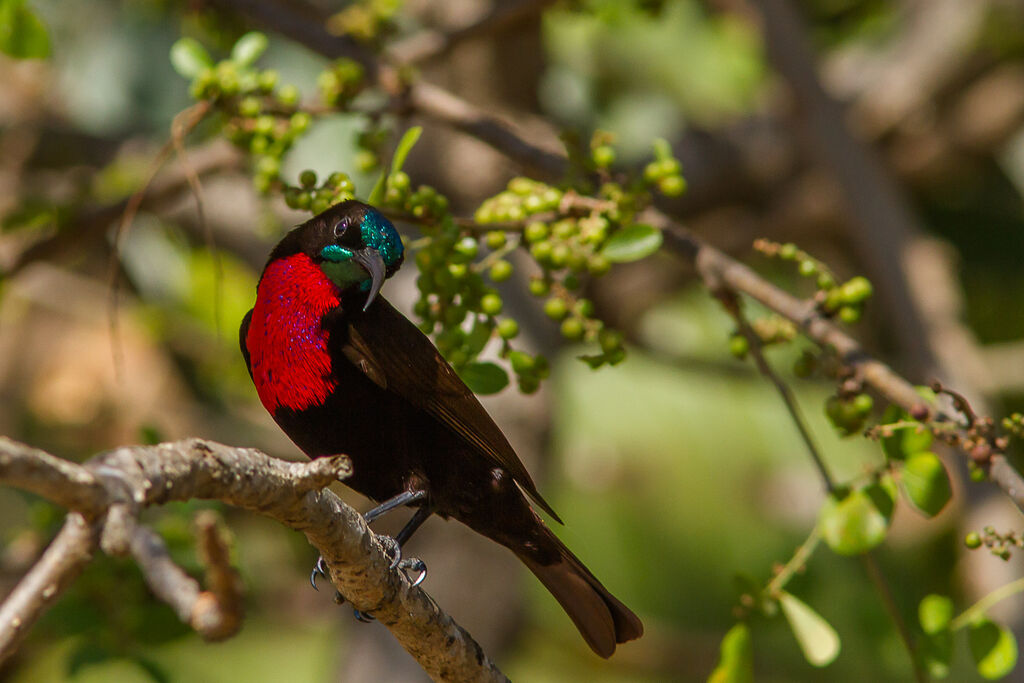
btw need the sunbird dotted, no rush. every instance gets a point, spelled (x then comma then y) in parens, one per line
(341, 371)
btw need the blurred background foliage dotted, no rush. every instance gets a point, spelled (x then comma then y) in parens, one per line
(675, 471)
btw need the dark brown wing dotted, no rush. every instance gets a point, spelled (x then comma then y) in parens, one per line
(396, 356)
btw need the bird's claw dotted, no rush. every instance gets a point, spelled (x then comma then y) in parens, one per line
(414, 564)
(319, 569)
(364, 617)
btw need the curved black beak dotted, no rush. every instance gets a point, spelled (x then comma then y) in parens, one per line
(370, 259)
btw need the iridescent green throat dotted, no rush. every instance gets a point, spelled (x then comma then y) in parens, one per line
(339, 267)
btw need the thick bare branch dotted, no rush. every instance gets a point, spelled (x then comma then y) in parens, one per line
(68, 484)
(61, 564)
(293, 494)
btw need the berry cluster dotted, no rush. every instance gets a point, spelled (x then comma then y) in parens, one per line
(308, 196)
(998, 544)
(842, 300)
(1014, 424)
(848, 412)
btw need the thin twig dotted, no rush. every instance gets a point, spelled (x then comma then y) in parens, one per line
(59, 566)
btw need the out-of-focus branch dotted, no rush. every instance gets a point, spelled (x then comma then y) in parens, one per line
(92, 222)
(59, 566)
(429, 45)
(291, 493)
(883, 220)
(823, 332)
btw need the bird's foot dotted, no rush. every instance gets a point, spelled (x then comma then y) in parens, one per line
(394, 550)
(413, 564)
(319, 569)
(391, 548)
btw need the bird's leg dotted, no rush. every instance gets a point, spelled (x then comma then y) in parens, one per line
(403, 498)
(412, 563)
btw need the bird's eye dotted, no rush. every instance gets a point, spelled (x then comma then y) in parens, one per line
(340, 227)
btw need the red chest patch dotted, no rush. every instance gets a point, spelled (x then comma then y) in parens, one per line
(287, 346)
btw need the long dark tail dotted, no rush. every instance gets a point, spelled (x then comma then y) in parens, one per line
(602, 620)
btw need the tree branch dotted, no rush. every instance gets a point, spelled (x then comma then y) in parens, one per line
(61, 564)
(291, 493)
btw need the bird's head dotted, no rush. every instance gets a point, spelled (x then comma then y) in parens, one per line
(354, 244)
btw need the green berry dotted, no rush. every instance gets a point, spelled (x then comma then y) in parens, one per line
(598, 265)
(264, 124)
(539, 286)
(849, 314)
(564, 229)
(400, 181)
(826, 281)
(977, 474)
(307, 178)
(571, 281)
(541, 251)
(458, 270)
(652, 172)
(862, 404)
(300, 122)
(501, 271)
(807, 268)
(508, 328)
(555, 308)
(249, 107)
(672, 186)
(366, 160)
(288, 95)
(739, 346)
(559, 255)
(529, 385)
(857, 290)
(535, 232)
(584, 308)
(269, 166)
(788, 251)
(491, 304)
(496, 239)
(467, 248)
(972, 540)
(521, 362)
(604, 156)
(572, 328)
(533, 204)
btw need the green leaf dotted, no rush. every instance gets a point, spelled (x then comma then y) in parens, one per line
(936, 652)
(858, 522)
(248, 48)
(737, 660)
(22, 34)
(926, 483)
(905, 441)
(993, 647)
(818, 640)
(405, 146)
(632, 243)
(935, 612)
(189, 58)
(484, 378)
